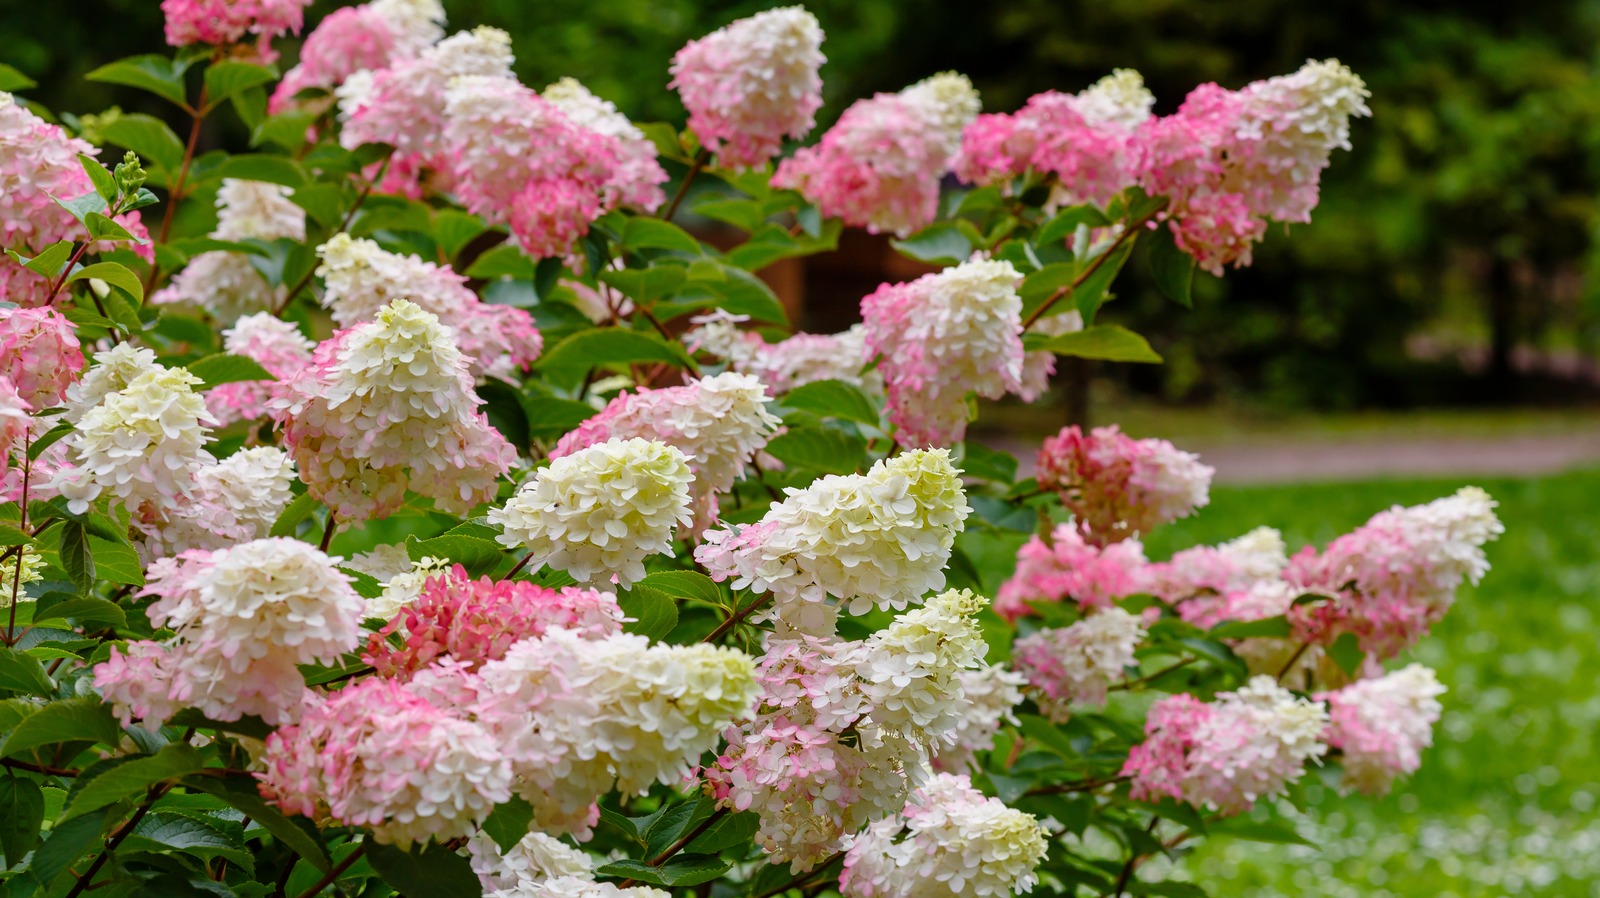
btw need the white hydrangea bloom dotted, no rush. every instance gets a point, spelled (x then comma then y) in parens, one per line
(601, 511)
(415, 24)
(958, 843)
(576, 887)
(234, 500)
(1119, 99)
(404, 587)
(376, 106)
(910, 671)
(1260, 554)
(257, 210)
(949, 100)
(1075, 665)
(992, 692)
(113, 370)
(145, 441)
(806, 358)
(536, 858)
(223, 283)
(12, 583)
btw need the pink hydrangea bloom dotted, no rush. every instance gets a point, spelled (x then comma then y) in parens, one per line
(14, 419)
(1382, 726)
(473, 621)
(39, 161)
(40, 354)
(1228, 754)
(879, 167)
(1194, 575)
(1396, 575)
(1069, 569)
(228, 21)
(941, 337)
(371, 36)
(751, 84)
(1075, 665)
(992, 692)
(385, 406)
(277, 346)
(1117, 486)
(638, 177)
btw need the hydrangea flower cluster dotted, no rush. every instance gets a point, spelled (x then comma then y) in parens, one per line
(275, 345)
(243, 618)
(534, 859)
(719, 423)
(1194, 580)
(1117, 486)
(143, 441)
(1075, 665)
(941, 337)
(14, 419)
(751, 84)
(39, 354)
(234, 500)
(360, 278)
(956, 843)
(369, 37)
(1225, 755)
(992, 692)
(1381, 726)
(791, 362)
(601, 511)
(1086, 141)
(638, 176)
(1395, 576)
(846, 729)
(385, 406)
(227, 284)
(1068, 568)
(879, 167)
(880, 538)
(223, 22)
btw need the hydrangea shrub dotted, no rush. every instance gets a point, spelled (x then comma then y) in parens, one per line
(448, 518)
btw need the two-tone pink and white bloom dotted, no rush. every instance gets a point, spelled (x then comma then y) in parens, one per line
(1381, 726)
(1118, 487)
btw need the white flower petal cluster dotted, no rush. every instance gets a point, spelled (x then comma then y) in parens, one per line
(992, 692)
(909, 671)
(32, 572)
(257, 210)
(1074, 665)
(1120, 99)
(1383, 724)
(538, 857)
(113, 370)
(948, 100)
(576, 887)
(601, 511)
(404, 105)
(144, 441)
(876, 539)
(234, 500)
(224, 283)
(1258, 555)
(957, 844)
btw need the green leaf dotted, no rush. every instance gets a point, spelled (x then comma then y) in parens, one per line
(173, 761)
(746, 215)
(504, 260)
(611, 346)
(12, 80)
(240, 793)
(691, 585)
(1049, 736)
(1346, 652)
(119, 276)
(153, 73)
(196, 836)
(81, 206)
(646, 285)
(49, 260)
(772, 242)
(12, 536)
(454, 229)
(1173, 268)
(943, 243)
(23, 673)
(551, 417)
(825, 449)
(103, 228)
(104, 184)
(298, 510)
(115, 562)
(259, 167)
(76, 559)
(68, 841)
(21, 816)
(833, 398)
(653, 233)
(683, 870)
(1042, 284)
(1275, 831)
(1066, 222)
(88, 609)
(672, 822)
(651, 612)
(732, 831)
(70, 720)
(228, 77)
(509, 822)
(221, 368)
(1276, 627)
(735, 290)
(477, 555)
(983, 463)
(425, 872)
(48, 439)
(1111, 342)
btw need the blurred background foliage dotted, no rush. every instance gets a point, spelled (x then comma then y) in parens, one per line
(1449, 263)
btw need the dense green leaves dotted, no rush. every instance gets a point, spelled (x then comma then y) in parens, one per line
(611, 346)
(23, 673)
(21, 817)
(833, 399)
(132, 778)
(424, 872)
(824, 449)
(68, 720)
(650, 611)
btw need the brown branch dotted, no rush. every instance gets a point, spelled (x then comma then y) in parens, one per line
(1130, 684)
(327, 532)
(1078, 786)
(735, 618)
(333, 874)
(1128, 232)
(1293, 659)
(673, 849)
(1133, 861)
(38, 768)
(117, 838)
(700, 160)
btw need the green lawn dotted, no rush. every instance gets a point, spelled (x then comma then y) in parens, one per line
(1505, 802)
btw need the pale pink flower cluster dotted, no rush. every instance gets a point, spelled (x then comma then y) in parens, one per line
(1231, 160)
(244, 618)
(1067, 568)
(1227, 754)
(719, 423)
(39, 354)
(847, 729)
(1118, 487)
(792, 362)
(473, 621)
(749, 85)
(233, 500)
(992, 692)
(371, 36)
(14, 420)
(385, 406)
(1396, 575)
(881, 538)
(956, 843)
(534, 859)
(228, 21)
(880, 166)
(1382, 725)
(1086, 141)
(638, 176)
(39, 162)
(601, 511)
(277, 346)
(576, 887)
(941, 337)
(1195, 579)
(547, 191)
(227, 284)
(360, 278)
(1075, 665)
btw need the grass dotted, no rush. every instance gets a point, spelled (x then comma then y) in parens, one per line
(1505, 802)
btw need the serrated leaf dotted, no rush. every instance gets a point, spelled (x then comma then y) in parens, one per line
(1346, 652)
(653, 233)
(1042, 284)
(191, 835)
(116, 562)
(21, 816)
(1109, 342)
(425, 872)
(833, 398)
(49, 260)
(81, 206)
(646, 285)
(651, 612)
(825, 449)
(23, 673)
(681, 871)
(691, 585)
(240, 793)
(119, 276)
(1172, 267)
(732, 831)
(297, 511)
(76, 559)
(150, 72)
(222, 368)
(104, 183)
(1277, 627)
(943, 243)
(509, 822)
(12, 80)
(228, 77)
(673, 822)
(611, 346)
(69, 720)
(176, 760)
(68, 841)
